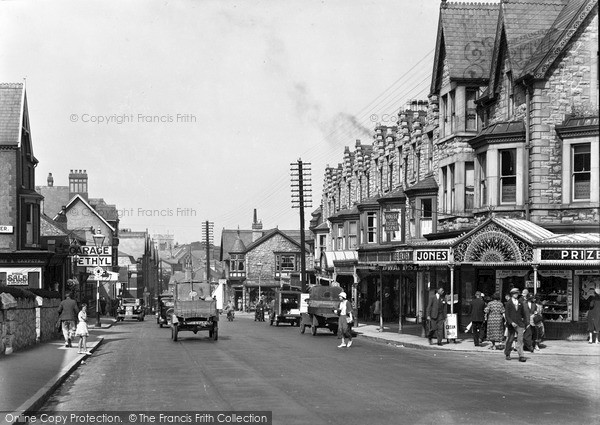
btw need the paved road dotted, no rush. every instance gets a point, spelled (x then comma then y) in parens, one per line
(305, 379)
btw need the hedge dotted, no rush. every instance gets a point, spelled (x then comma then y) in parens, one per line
(17, 292)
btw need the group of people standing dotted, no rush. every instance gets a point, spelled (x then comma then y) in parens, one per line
(519, 320)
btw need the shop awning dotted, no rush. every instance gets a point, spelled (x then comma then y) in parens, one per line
(341, 257)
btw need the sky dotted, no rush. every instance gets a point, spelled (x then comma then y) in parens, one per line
(187, 111)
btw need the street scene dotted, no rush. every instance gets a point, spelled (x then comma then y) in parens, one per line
(338, 212)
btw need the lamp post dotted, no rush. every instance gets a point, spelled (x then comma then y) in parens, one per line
(98, 241)
(259, 265)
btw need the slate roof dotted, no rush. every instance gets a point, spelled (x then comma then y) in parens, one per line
(228, 239)
(526, 23)
(427, 184)
(11, 112)
(558, 35)
(466, 35)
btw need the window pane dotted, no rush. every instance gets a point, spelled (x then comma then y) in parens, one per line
(581, 186)
(509, 189)
(508, 164)
(426, 210)
(469, 185)
(581, 158)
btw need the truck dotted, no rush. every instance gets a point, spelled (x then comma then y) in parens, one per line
(194, 310)
(286, 308)
(322, 300)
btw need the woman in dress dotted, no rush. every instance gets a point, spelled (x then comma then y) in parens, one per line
(82, 330)
(593, 317)
(494, 312)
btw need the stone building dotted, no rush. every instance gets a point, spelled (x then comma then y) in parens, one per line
(492, 183)
(258, 261)
(22, 259)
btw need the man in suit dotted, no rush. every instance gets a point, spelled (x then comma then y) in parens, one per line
(67, 314)
(516, 321)
(436, 315)
(477, 317)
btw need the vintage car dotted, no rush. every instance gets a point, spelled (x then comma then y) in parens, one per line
(165, 310)
(130, 308)
(321, 304)
(194, 310)
(286, 308)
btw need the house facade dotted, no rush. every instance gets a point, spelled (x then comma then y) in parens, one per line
(492, 182)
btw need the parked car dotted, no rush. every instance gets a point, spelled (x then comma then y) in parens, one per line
(286, 308)
(131, 308)
(165, 310)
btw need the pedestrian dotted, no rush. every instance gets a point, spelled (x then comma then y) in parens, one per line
(344, 311)
(67, 314)
(376, 309)
(529, 336)
(537, 321)
(103, 305)
(82, 330)
(593, 317)
(516, 322)
(477, 318)
(494, 313)
(436, 315)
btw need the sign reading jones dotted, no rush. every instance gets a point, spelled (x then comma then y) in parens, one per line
(591, 254)
(431, 255)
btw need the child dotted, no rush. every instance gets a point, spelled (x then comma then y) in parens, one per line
(82, 330)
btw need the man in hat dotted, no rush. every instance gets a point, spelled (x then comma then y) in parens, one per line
(436, 316)
(345, 313)
(477, 317)
(516, 322)
(67, 314)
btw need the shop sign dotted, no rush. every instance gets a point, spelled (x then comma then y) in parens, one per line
(451, 326)
(405, 255)
(17, 279)
(6, 229)
(90, 256)
(431, 255)
(589, 254)
(391, 221)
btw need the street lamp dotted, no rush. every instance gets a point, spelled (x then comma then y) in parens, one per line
(259, 265)
(98, 241)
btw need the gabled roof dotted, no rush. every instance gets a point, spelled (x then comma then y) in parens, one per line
(268, 235)
(582, 239)
(465, 38)
(228, 238)
(559, 34)
(523, 229)
(80, 198)
(12, 104)
(522, 25)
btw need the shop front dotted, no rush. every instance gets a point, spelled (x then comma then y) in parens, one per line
(24, 269)
(430, 270)
(567, 275)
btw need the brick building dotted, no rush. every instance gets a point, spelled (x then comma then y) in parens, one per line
(492, 183)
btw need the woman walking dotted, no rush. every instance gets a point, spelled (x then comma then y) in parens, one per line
(82, 330)
(494, 312)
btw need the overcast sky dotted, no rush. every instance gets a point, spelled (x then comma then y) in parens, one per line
(206, 103)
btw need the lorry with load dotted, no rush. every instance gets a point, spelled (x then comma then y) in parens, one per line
(194, 310)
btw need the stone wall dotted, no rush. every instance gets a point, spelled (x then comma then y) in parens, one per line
(25, 322)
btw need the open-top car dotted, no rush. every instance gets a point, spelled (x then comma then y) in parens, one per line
(131, 308)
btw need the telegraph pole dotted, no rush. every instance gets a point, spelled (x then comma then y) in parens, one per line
(301, 198)
(207, 237)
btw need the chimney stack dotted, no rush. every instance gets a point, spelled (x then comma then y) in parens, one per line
(78, 184)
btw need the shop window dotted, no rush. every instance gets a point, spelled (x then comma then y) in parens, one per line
(508, 176)
(33, 279)
(581, 175)
(372, 227)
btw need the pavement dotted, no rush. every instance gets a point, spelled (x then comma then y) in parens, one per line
(28, 377)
